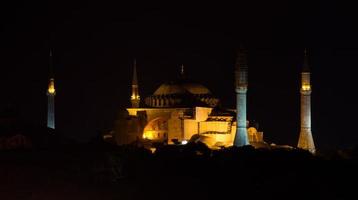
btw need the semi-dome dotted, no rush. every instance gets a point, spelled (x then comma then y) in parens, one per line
(181, 94)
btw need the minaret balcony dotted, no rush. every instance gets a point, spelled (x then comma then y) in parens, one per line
(241, 89)
(306, 91)
(135, 97)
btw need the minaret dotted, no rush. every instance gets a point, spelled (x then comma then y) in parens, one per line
(182, 70)
(305, 140)
(51, 92)
(241, 83)
(181, 74)
(135, 99)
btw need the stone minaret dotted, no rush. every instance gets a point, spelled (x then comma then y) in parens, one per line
(135, 99)
(51, 92)
(305, 140)
(241, 83)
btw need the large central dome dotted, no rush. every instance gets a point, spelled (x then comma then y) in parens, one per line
(182, 93)
(181, 88)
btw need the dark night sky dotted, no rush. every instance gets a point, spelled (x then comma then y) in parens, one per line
(94, 45)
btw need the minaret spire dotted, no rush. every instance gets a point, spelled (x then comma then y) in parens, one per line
(135, 79)
(51, 93)
(241, 84)
(182, 70)
(305, 140)
(135, 98)
(306, 67)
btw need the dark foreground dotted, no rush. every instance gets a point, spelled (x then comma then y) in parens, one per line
(174, 172)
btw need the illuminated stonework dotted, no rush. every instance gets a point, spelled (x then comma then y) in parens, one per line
(51, 92)
(155, 130)
(305, 140)
(241, 85)
(185, 124)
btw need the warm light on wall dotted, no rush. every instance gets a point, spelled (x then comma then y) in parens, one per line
(150, 135)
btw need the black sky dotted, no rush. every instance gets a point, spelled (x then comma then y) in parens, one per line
(94, 45)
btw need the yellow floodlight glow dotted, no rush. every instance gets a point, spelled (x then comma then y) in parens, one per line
(133, 97)
(150, 135)
(306, 87)
(51, 87)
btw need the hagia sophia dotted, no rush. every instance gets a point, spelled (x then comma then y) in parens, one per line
(182, 111)
(179, 111)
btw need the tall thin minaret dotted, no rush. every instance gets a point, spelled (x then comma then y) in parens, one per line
(305, 140)
(182, 70)
(241, 83)
(135, 98)
(51, 92)
(182, 74)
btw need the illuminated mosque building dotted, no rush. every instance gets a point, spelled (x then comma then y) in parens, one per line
(183, 111)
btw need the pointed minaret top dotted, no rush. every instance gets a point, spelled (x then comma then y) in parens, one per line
(182, 70)
(51, 67)
(135, 80)
(241, 60)
(51, 86)
(135, 99)
(305, 67)
(241, 68)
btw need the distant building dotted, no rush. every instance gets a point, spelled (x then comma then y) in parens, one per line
(181, 111)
